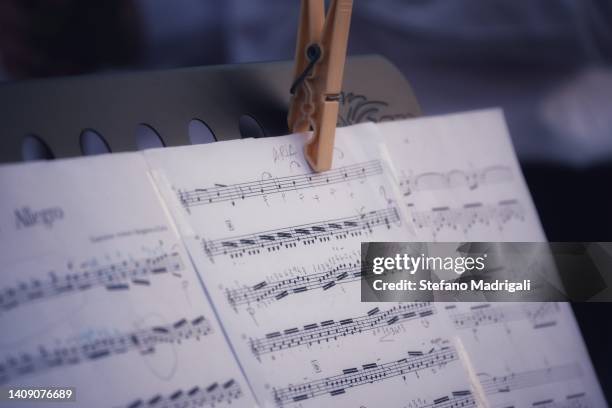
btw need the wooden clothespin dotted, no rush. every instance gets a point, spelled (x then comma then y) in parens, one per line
(319, 66)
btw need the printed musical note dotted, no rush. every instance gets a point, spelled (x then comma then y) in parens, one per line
(116, 276)
(306, 234)
(579, 400)
(209, 396)
(467, 217)
(458, 399)
(232, 193)
(274, 289)
(469, 179)
(527, 379)
(366, 374)
(541, 315)
(330, 330)
(77, 351)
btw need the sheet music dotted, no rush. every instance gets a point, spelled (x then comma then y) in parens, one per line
(526, 354)
(99, 290)
(460, 179)
(278, 248)
(98, 293)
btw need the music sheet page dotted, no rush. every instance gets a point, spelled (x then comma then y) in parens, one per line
(460, 180)
(278, 248)
(99, 294)
(525, 354)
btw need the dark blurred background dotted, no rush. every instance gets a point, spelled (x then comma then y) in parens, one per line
(547, 63)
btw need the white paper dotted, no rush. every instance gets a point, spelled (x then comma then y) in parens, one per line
(98, 293)
(278, 248)
(522, 354)
(460, 178)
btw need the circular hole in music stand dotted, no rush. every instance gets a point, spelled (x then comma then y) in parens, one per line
(250, 127)
(92, 143)
(200, 132)
(147, 137)
(34, 148)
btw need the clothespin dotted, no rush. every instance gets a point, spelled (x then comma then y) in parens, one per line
(319, 66)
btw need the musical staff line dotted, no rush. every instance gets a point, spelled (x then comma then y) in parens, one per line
(277, 289)
(210, 395)
(242, 191)
(467, 217)
(528, 379)
(79, 351)
(541, 315)
(470, 179)
(113, 277)
(330, 330)
(457, 399)
(306, 234)
(366, 374)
